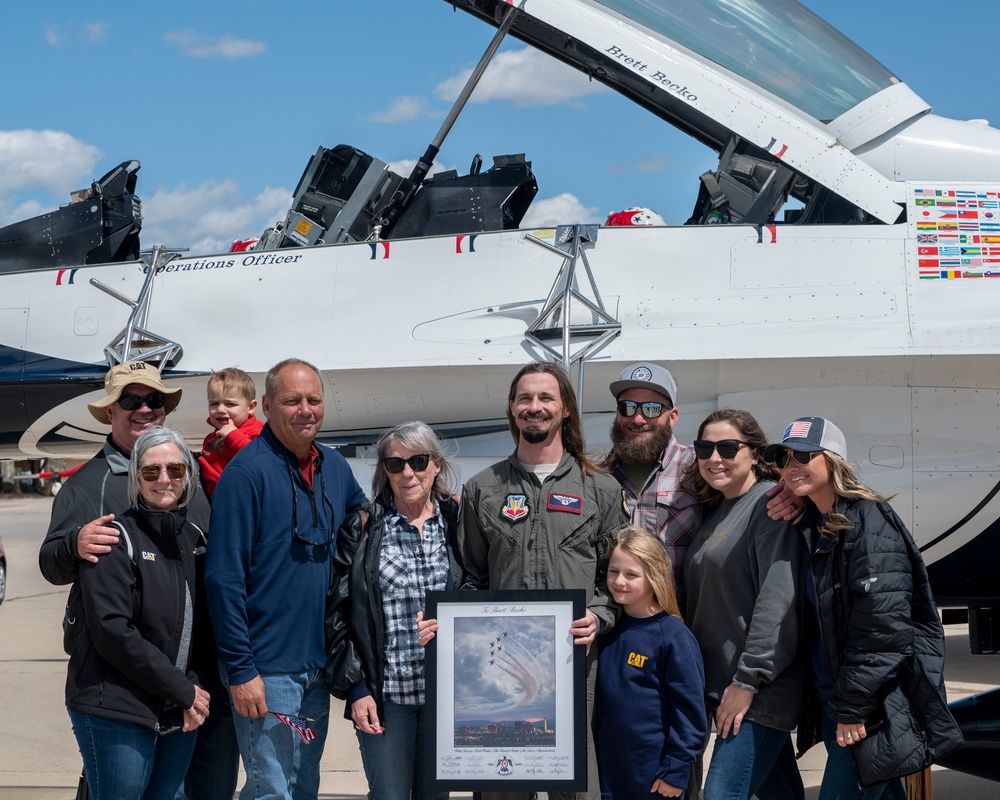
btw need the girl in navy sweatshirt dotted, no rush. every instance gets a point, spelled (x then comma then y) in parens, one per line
(651, 721)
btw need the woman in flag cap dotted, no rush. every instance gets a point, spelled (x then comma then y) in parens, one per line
(132, 698)
(872, 634)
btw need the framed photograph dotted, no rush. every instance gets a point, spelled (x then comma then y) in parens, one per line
(506, 692)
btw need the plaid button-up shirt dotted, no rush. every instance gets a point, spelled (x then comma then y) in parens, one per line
(665, 506)
(409, 566)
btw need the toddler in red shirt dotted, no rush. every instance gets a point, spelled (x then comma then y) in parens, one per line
(232, 398)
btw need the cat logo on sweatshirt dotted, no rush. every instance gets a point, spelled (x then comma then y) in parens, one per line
(636, 660)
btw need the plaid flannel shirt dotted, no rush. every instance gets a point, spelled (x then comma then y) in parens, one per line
(409, 566)
(665, 506)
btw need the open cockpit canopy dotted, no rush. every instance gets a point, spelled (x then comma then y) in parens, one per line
(766, 81)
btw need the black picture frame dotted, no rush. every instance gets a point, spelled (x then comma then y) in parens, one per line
(511, 721)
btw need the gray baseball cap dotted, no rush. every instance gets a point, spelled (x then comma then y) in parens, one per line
(810, 435)
(646, 375)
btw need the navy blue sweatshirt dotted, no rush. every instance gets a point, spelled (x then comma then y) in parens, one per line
(651, 718)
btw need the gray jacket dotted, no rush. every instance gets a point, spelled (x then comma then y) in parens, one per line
(742, 576)
(517, 533)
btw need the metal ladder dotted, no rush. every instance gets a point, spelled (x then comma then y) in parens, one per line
(555, 320)
(135, 341)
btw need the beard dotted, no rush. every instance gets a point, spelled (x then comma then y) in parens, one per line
(536, 429)
(645, 448)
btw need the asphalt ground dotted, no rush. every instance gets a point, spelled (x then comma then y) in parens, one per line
(39, 759)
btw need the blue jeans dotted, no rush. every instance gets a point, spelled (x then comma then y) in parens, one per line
(125, 760)
(394, 760)
(742, 765)
(215, 764)
(840, 778)
(278, 764)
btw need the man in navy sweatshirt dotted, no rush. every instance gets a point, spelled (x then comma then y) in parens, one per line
(276, 511)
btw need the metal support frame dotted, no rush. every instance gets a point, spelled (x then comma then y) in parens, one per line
(135, 341)
(555, 320)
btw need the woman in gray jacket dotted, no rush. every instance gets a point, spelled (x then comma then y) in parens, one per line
(741, 574)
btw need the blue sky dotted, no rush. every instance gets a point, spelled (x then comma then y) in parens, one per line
(224, 103)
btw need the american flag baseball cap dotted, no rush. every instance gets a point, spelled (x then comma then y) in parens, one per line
(810, 434)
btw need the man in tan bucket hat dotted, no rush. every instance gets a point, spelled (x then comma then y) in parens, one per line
(130, 381)
(136, 399)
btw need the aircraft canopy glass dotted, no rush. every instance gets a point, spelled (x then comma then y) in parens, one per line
(775, 44)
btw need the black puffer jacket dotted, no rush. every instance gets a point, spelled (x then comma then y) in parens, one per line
(123, 664)
(880, 629)
(355, 626)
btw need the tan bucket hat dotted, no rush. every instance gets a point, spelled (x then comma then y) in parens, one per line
(122, 375)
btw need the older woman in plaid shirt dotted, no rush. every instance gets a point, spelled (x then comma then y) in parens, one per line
(383, 570)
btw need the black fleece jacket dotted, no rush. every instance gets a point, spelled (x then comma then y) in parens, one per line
(123, 666)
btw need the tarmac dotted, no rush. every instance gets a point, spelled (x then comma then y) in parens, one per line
(39, 759)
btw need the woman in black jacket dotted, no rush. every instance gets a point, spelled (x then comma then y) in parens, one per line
(132, 700)
(875, 641)
(382, 571)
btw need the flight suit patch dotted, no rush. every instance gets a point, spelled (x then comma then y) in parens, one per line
(515, 507)
(569, 503)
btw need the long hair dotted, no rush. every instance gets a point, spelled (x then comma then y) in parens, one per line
(642, 545)
(846, 484)
(750, 432)
(572, 429)
(154, 437)
(417, 437)
(271, 378)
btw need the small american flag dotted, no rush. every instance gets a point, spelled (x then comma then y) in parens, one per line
(298, 724)
(798, 430)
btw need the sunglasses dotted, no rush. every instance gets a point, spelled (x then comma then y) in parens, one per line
(152, 473)
(782, 456)
(728, 448)
(133, 402)
(628, 408)
(395, 464)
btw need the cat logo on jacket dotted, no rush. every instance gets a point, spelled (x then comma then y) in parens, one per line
(515, 507)
(569, 503)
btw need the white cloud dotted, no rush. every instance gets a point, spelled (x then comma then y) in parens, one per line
(563, 209)
(208, 218)
(96, 32)
(402, 109)
(195, 45)
(50, 160)
(88, 32)
(525, 77)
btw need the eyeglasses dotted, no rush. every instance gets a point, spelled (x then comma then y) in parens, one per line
(628, 408)
(152, 473)
(418, 463)
(728, 448)
(782, 456)
(311, 533)
(133, 402)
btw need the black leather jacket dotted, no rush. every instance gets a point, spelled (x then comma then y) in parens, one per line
(355, 626)
(123, 663)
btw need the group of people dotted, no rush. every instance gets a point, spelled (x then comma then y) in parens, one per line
(715, 594)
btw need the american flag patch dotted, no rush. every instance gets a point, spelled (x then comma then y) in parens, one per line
(798, 430)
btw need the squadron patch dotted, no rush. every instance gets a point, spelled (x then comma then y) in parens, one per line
(569, 503)
(515, 507)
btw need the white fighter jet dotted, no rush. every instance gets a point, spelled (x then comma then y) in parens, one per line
(843, 260)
